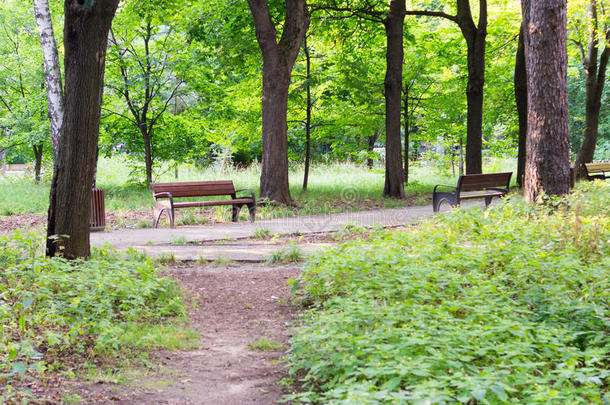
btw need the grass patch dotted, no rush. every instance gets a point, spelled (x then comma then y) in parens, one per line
(57, 315)
(261, 234)
(335, 187)
(507, 305)
(292, 254)
(264, 344)
(219, 261)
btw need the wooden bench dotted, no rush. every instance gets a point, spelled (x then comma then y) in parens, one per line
(171, 191)
(472, 186)
(597, 171)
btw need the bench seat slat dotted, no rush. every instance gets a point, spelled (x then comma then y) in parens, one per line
(465, 195)
(186, 204)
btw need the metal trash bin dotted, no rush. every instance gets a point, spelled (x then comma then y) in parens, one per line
(97, 220)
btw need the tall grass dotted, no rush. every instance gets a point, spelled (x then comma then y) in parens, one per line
(332, 187)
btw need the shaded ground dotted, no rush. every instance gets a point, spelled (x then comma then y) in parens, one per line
(233, 307)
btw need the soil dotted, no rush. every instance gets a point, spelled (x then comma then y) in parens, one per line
(233, 306)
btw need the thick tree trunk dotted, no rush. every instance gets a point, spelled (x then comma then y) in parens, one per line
(52, 73)
(548, 150)
(85, 39)
(520, 81)
(278, 61)
(274, 176)
(595, 80)
(308, 117)
(394, 175)
(38, 150)
(474, 98)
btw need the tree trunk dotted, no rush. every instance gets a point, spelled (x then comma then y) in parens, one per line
(595, 80)
(548, 150)
(370, 149)
(475, 40)
(394, 175)
(308, 118)
(406, 130)
(475, 36)
(148, 158)
(38, 149)
(52, 73)
(278, 61)
(85, 39)
(520, 81)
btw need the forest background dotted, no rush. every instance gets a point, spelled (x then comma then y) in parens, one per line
(183, 85)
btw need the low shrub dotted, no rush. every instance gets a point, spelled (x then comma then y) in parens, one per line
(56, 314)
(507, 305)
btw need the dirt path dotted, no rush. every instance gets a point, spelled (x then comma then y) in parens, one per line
(234, 306)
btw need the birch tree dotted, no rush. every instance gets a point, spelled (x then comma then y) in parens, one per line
(52, 72)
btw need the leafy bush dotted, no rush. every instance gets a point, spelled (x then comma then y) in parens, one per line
(508, 305)
(55, 313)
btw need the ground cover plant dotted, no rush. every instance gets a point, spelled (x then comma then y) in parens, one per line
(507, 305)
(58, 316)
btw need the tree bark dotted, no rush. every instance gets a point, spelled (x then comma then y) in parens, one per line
(52, 72)
(595, 79)
(520, 81)
(148, 156)
(476, 40)
(370, 149)
(85, 40)
(394, 175)
(406, 115)
(278, 61)
(38, 149)
(308, 117)
(548, 150)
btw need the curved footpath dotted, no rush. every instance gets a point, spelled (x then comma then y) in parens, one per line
(222, 241)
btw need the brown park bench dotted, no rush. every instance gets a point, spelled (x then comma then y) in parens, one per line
(598, 171)
(171, 191)
(473, 186)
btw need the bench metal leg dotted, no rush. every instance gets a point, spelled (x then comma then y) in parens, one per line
(439, 197)
(235, 212)
(487, 201)
(252, 209)
(157, 217)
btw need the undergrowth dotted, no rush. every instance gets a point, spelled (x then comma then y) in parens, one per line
(507, 305)
(57, 315)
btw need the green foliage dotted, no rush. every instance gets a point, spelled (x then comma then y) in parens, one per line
(55, 313)
(507, 305)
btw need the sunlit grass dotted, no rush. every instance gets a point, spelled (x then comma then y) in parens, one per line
(332, 187)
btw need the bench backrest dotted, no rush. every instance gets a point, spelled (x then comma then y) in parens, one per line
(195, 188)
(597, 167)
(475, 182)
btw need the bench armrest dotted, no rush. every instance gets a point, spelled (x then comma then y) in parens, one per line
(251, 193)
(165, 194)
(443, 185)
